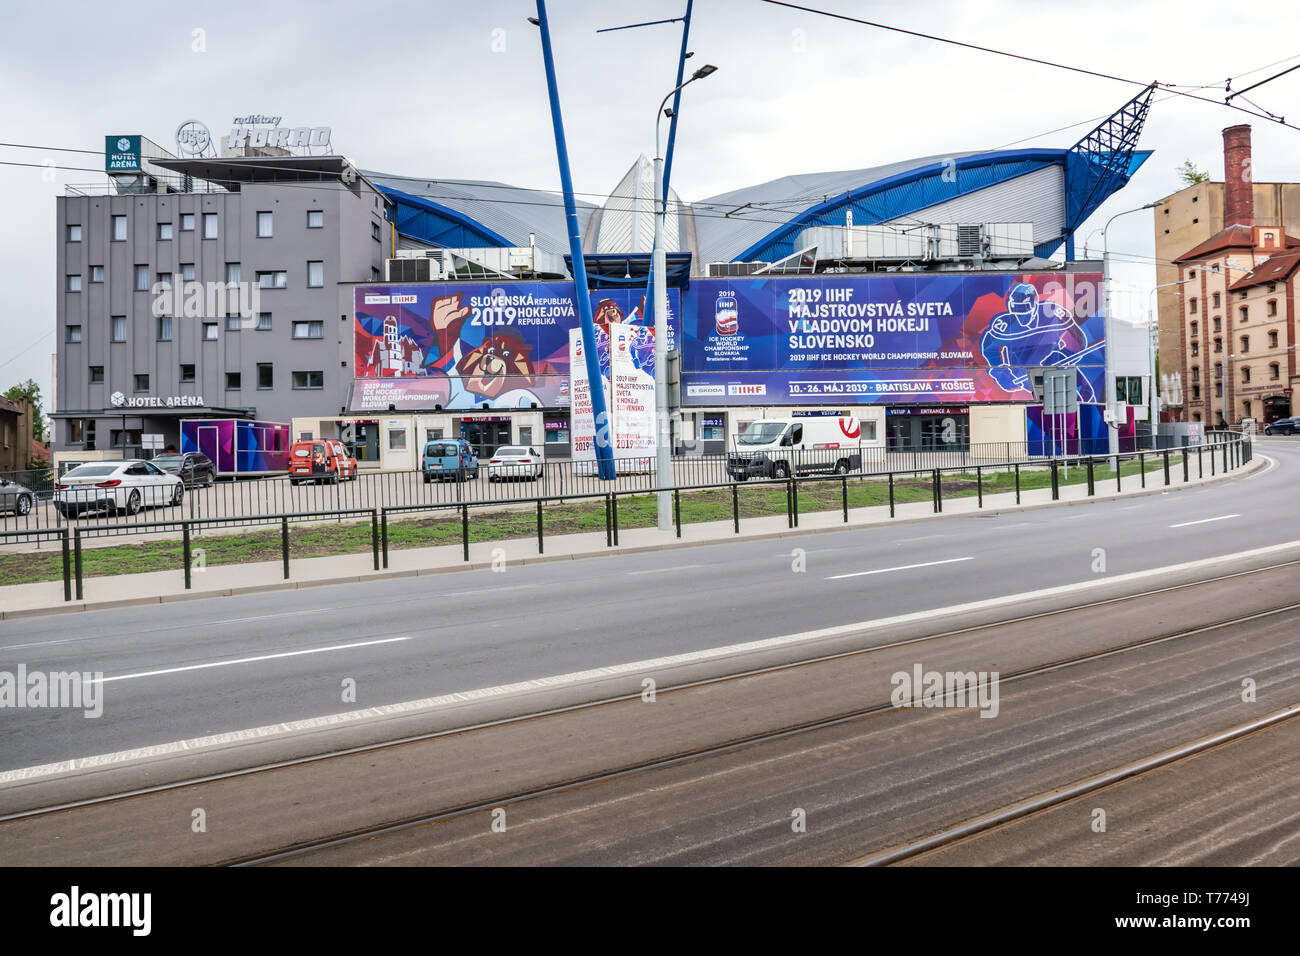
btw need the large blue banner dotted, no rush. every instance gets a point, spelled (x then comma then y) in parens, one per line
(888, 339)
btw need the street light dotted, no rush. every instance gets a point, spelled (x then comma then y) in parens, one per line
(659, 265)
(1112, 429)
(1153, 329)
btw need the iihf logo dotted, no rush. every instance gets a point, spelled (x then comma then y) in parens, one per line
(726, 314)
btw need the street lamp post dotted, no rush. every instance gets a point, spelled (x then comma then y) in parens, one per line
(659, 266)
(1112, 429)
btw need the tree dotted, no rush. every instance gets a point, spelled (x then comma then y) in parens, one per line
(1190, 175)
(32, 392)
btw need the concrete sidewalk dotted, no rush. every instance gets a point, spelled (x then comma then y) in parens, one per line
(155, 587)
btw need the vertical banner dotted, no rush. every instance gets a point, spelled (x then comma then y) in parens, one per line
(634, 394)
(582, 421)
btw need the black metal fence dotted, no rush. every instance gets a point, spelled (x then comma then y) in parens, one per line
(37, 501)
(1161, 467)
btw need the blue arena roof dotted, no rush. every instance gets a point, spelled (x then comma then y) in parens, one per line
(1055, 189)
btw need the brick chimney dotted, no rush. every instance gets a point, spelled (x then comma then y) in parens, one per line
(1238, 196)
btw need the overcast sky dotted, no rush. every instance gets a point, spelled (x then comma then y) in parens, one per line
(456, 90)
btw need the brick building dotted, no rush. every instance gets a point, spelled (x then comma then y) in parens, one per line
(1185, 222)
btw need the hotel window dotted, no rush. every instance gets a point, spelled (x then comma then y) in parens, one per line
(1245, 343)
(1195, 328)
(1218, 345)
(1196, 393)
(96, 374)
(1218, 299)
(164, 328)
(375, 232)
(1218, 324)
(209, 331)
(309, 330)
(141, 278)
(265, 375)
(1196, 374)
(315, 219)
(1218, 390)
(74, 334)
(74, 283)
(141, 382)
(315, 275)
(1245, 313)
(1274, 371)
(264, 225)
(187, 222)
(308, 379)
(232, 381)
(264, 321)
(232, 273)
(164, 230)
(76, 433)
(1194, 306)
(74, 233)
(233, 323)
(187, 373)
(273, 280)
(119, 328)
(1245, 374)
(209, 225)
(187, 272)
(96, 273)
(1272, 306)
(1272, 340)
(119, 228)
(1196, 349)
(165, 280)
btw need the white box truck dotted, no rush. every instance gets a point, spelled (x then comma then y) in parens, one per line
(781, 447)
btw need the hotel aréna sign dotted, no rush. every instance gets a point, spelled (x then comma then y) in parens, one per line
(156, 401)
(122, 154)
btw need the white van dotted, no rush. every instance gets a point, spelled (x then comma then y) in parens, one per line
(781, 447)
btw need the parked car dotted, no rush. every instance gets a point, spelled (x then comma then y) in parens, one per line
(15, 497)
(514, 461)
(194, 468)
(1283, 426)
(320, 461)
(445, 458)
(115, 486)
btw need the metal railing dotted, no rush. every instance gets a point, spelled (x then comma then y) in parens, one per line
(1215, 458)
(96, 512)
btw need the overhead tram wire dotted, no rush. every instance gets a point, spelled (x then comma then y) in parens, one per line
(1027, 59)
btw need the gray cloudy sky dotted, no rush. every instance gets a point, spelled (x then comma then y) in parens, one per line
(453, 89)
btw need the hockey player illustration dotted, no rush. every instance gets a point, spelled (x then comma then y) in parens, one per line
(498, 370)
(1033, 333)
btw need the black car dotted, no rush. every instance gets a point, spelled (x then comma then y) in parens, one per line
(1283, 426)
(194, 468)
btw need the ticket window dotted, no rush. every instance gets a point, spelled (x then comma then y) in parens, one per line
(398, 454)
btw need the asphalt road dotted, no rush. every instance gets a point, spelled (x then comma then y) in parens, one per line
(225, 664)
(855, 786)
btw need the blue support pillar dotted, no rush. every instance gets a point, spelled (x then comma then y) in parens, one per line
(604, 451)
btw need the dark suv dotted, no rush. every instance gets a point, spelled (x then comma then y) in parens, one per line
(193, 468)
(1283, 426)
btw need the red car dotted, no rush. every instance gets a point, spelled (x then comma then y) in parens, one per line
(320, 461)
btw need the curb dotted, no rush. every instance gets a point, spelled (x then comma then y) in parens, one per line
(1257, 463)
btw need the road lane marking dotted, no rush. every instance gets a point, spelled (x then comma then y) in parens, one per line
(903, 567)
(248, 660)
(680, 567)
(1188, 524)
(634, 668)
